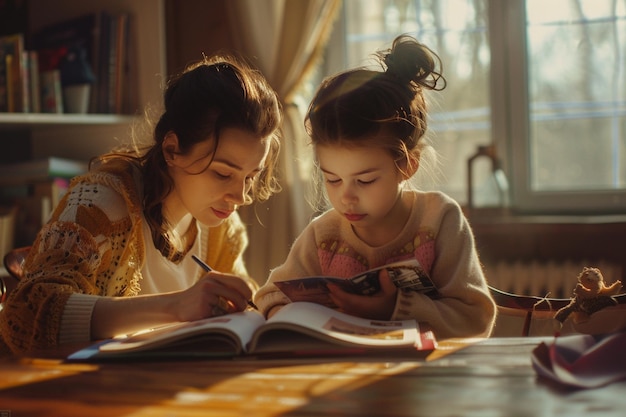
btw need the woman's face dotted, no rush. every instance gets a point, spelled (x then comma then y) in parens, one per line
(212, 193)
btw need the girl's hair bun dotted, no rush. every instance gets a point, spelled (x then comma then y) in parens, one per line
(408, 60)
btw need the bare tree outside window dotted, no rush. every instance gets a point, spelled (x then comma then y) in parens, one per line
(577, 90)
(542, 80)
(567, 140)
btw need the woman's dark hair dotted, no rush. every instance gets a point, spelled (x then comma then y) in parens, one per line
(214, 94)
(389, 105)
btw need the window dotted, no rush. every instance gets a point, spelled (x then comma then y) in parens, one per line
(567, 104)
(545, 82)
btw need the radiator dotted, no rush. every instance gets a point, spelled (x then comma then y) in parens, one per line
(555, 279)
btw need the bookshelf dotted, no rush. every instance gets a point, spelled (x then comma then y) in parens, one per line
(46, 120)
(82, 136)
(26, 136)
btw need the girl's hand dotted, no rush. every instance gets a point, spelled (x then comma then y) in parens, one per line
(378, 306)
(215, 294)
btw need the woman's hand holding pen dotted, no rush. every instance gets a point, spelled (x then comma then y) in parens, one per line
(207, 268)
(214, 294)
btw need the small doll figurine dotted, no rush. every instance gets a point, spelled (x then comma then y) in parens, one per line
(590, 295)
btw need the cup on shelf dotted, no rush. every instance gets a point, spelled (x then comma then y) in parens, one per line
(77, 78)
(76, 98)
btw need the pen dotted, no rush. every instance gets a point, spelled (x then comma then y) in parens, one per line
(207, 268)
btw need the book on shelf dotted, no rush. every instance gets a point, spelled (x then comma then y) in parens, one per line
(407, 275)
(34, 201)
(19, 86)
(297, 330)
(51, 93)
(12, 68)
(7, 228)
(116, 65)
(122, 64)
(4, 99)
(41, 169)
(25, 84)
(33, 80)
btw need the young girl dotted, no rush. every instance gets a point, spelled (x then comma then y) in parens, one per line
(116, 256)
(367, 129)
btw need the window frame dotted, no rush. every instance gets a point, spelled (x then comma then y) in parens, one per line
(511, 121)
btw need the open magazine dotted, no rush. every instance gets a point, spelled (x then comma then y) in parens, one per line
(298, 329)
(407, 275)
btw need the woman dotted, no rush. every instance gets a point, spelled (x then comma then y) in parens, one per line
(116, 256)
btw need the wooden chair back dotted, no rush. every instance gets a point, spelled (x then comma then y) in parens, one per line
(14, 264)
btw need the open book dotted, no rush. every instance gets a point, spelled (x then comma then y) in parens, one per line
(407, 275)
(298, 329)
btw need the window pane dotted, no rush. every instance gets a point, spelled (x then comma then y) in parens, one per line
(460, 114)
(577, 92)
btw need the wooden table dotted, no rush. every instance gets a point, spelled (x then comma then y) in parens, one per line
(493, 377)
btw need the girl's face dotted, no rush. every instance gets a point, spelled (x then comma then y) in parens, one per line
(211, 195)
(364, 186)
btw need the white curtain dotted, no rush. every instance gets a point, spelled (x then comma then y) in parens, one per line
(285, 40)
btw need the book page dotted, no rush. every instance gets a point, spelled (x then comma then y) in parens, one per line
(334, 328)
(407, 275)
(235, 329)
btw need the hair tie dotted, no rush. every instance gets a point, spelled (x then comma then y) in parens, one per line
(396, 73)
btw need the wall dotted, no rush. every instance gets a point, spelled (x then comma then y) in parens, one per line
(194, 27)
